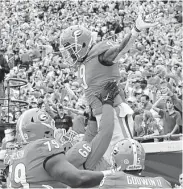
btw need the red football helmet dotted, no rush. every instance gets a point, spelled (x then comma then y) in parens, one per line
(75, 42)
(34, 124)
(128, 154)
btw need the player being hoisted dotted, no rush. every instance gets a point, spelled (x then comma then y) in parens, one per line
(96, 66)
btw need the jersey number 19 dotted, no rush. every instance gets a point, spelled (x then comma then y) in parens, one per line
(19, 176)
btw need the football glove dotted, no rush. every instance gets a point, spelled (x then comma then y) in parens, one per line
(146, 21)
(109, 92)
(91, 116)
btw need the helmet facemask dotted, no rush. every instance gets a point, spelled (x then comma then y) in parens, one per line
(70, 54)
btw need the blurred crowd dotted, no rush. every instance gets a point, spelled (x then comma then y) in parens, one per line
(151, 72)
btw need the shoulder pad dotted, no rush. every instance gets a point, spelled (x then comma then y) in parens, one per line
(46, 147)
(100, 48)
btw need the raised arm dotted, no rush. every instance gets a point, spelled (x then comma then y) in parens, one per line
(140, 24)
(154, 107)
(125, 45)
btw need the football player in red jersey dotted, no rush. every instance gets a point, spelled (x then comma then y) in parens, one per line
(97, 66)
(128, 157)
(41, 161)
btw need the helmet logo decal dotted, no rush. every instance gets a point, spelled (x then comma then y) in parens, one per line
(77, 33)
(42, 117)
(126, 161)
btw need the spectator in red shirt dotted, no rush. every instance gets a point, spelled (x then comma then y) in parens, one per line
(171, 117)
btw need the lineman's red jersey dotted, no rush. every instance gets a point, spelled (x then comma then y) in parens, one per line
(27, 165)
(82, 154)
(127, 181)
(78, 154)
(95, 75)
